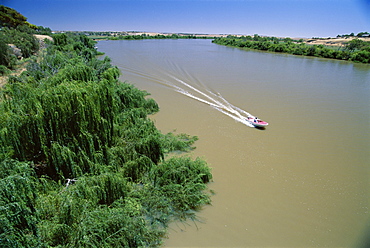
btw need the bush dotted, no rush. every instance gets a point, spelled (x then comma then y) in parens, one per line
(295, 47)
(93, 170)
(7, 59)
(18, 218)
(183, 180)
(4, 70)
(361, 56)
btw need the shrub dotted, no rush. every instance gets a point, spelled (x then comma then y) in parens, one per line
(4, 70)
(93, 170)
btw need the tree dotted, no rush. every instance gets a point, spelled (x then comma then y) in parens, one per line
(355, 44)
(60, 40)
(6, 57)
(81, 164)
(10, 17)
(22, 38)
(361, 34)
(361, 56)
(43, 30)
(289, 46)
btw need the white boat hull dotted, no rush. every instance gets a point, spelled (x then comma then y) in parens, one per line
(257, 122)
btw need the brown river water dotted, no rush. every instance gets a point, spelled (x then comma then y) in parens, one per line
(304, 181)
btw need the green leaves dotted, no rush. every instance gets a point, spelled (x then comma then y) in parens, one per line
(180, 142)
(94, 171)
(18, 222)
(355, 50)
(10, 17)
(26, 42)
(183, 180)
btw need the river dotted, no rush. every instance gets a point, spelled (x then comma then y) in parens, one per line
(304, 181)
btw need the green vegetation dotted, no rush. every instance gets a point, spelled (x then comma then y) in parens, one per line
(356, 50)
(133, 36)
(16, 43)
(10, 18)
(81, 164)
(361, 34)
(158, 36)
(17, 37)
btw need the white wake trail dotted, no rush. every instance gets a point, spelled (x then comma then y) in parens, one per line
(234, 107)
(225, 108)
(215, 100)
(229, 107)
(242, 120)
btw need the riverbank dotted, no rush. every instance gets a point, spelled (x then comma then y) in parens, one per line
(149, 35)
(355, 50)
(89, 156)
(338, 41)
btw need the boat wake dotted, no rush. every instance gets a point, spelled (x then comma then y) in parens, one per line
(214, 100)
(209, 97)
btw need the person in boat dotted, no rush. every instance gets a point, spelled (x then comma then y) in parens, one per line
(255, 119)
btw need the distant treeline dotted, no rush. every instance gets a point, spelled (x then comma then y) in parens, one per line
(361, 34)
(125, 36)
(158, 36)
(355, 50)
(81, 164)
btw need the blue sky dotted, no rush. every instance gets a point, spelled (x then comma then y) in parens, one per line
(283, 18)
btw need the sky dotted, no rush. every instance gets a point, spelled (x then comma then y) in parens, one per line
(279, 18)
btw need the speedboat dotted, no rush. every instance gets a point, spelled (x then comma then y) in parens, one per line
(257, 122)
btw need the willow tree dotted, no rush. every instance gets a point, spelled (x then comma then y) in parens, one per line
(88, 167)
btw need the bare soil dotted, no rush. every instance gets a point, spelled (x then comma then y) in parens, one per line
(333, 41)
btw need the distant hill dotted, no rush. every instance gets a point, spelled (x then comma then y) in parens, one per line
(339, 41)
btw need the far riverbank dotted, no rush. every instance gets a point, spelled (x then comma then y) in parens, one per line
(356, 50)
